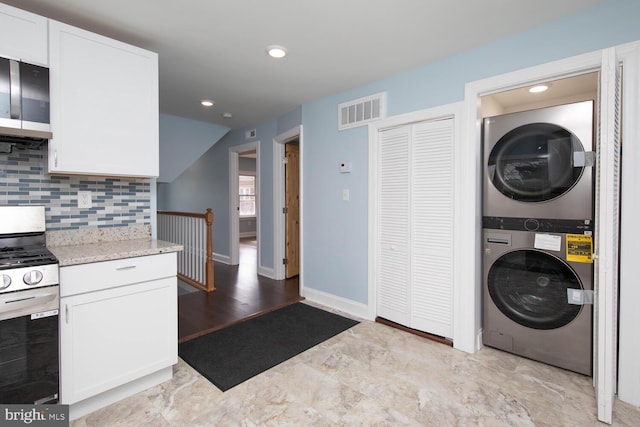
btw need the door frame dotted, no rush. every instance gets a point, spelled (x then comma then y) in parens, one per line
(629, 347)
(234, 201)
(469, 280)
(279, 240)
(469, 188)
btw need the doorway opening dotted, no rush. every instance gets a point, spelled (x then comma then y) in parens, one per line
(288, 196)
(292, 208)
(247, 209)
(244, 205)
(610, 63)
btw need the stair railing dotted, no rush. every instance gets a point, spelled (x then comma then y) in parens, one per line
(194, 232)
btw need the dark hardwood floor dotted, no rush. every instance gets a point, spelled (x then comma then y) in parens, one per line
(240, 294)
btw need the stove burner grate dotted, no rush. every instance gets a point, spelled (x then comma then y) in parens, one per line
(28, 256)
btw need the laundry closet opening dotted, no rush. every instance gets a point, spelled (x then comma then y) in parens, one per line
(538, 221)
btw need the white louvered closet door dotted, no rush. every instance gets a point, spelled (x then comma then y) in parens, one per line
(606, 239)
(414, 226)
(393, 231)
(432, 227)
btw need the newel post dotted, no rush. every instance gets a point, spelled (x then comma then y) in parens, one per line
(209, 273)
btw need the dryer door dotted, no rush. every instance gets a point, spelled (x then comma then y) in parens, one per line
(530, 288)
(535, 162)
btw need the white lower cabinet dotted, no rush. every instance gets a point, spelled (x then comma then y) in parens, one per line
(123, 328)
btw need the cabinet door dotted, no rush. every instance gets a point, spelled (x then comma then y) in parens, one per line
(111, 337)
(23, 36)
(104, 105)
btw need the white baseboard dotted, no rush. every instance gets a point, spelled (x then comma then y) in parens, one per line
(225, 259)
(262, 271)
(266, 272)
(248, 234)
(338, 303)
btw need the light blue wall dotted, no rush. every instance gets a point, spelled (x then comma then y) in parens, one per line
(335, 232)
(182, 142)
(205, 184)
(289, 121)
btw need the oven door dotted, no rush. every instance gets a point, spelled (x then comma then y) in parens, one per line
(29, 346)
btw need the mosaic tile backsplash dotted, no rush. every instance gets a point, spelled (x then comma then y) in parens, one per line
(116, 202)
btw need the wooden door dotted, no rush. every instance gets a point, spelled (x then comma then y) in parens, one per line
(292, 205)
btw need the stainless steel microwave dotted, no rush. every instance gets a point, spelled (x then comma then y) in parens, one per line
(24, 102)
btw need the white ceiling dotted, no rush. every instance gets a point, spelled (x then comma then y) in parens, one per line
(215, 49)
(566, 90)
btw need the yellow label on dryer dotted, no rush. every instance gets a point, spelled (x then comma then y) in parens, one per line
(579, 248)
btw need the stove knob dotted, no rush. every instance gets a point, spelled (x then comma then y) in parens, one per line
(32, 277)
(5, 282)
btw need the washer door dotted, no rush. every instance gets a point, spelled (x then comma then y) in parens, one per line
(530, 288)
(535, 162)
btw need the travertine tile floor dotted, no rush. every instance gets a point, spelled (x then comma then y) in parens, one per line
(370, 375)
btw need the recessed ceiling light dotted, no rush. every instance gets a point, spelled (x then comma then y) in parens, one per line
(539, 88)
(276, 51)
(207, 103)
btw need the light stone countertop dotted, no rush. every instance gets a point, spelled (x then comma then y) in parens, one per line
(86, 245)
(106, 251)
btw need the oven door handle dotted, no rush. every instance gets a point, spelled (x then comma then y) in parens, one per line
(13, 304)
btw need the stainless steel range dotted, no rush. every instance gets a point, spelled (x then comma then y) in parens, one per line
(29, 304)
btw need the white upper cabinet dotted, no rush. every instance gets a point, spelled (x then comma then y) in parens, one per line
(23, 35)
(104, 105)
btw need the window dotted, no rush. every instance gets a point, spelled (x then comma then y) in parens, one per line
(247, 190)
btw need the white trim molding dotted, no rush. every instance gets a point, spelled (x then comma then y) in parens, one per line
(345, 305)
(224, 259)
(629, 345)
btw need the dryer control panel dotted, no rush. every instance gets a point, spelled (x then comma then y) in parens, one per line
(543, 225)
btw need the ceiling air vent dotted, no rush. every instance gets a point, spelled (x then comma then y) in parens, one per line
(362, 111)
(250, 134)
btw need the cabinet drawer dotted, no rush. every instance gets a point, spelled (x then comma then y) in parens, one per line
(79, 279)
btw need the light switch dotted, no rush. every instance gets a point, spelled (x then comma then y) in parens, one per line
(345, 194)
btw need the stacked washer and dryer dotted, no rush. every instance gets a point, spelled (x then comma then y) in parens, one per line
(537, 234)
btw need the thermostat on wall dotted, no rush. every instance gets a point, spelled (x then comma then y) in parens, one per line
(345, 167)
